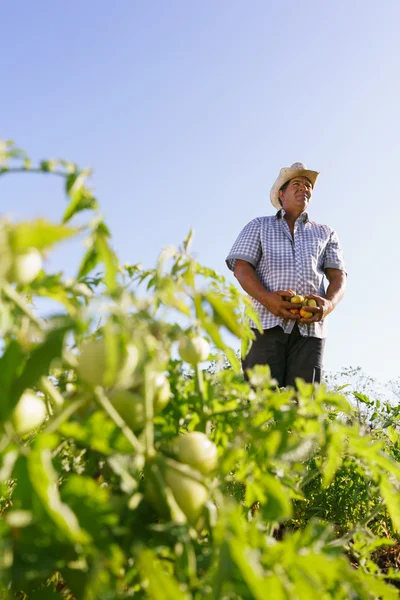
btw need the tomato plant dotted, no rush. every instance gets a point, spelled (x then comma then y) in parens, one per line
(124, 474)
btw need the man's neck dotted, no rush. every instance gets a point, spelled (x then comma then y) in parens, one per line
(291, 219)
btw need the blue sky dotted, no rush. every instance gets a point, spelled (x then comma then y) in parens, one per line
(187, 110)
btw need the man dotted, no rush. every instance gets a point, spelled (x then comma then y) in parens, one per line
(276, 257)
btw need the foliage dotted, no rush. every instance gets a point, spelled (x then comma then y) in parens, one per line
(96, 503)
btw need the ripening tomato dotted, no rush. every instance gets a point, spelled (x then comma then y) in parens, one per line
(196, 450)
(29, 413)
(194, 350)
(190, 495)
(25, 267)
(312, 302)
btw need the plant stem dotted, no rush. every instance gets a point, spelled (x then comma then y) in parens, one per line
(64, 415)
(20, 302)
(50, 390)
(4, 171)
(118, 420)
(201, 388)
(148, 412)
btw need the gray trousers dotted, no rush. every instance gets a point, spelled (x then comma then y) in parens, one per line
(288, 355)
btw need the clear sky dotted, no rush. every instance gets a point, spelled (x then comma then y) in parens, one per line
(187, 110)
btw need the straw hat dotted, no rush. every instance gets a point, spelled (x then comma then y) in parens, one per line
(297, 169)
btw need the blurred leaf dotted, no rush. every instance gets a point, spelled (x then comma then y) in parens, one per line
(91, 504)
(109, 259)
(81, 197)
(11, 366)
(44, 478)
(260, 585)
(46, 594)
(98, 432)
(40, 359)
(89, 261)
(278, 505)
(334, 456)
(392, 499)
(225, 311)
(38, 234)
(128, 483)
(159, 585)
(52, 287)
(392, 435)
(223, 572)
(188, 240)
(362, 398)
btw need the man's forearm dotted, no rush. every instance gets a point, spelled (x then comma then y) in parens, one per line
(336, 288)
(248, 279)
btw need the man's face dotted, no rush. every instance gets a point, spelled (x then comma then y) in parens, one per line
(296, 197)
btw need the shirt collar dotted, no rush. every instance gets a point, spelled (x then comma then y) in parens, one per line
(302, 218)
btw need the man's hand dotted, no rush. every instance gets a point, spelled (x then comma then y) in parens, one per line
(322, 310)
(276, 304)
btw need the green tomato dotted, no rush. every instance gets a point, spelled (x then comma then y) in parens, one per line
(25, 267)
(128, 368)
(130, 406)
(92, 362)
(162, 392)
(153, 491)
(190, 495)
(196, 450)
(194, 350)
(29, 413)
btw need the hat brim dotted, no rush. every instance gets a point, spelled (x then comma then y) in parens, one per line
(286, 175)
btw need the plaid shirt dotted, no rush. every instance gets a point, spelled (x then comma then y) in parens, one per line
(285, 263)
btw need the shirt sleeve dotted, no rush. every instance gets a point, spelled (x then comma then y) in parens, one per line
(334, 254)
(247, 245)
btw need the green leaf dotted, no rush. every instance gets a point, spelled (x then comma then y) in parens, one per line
(278, 504)
(334, 456)
(159, 585)
(261, 586)
(223, 572)
(110, 261)
(51, 286)
(11, 366)
(89, 261)
(38, 234)
(81, 199)
(40, 359)
(44, 478)
(188, 240)
(392, 435)
(91, 504)
(225, 312)
(392, 499)
(362, 398)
